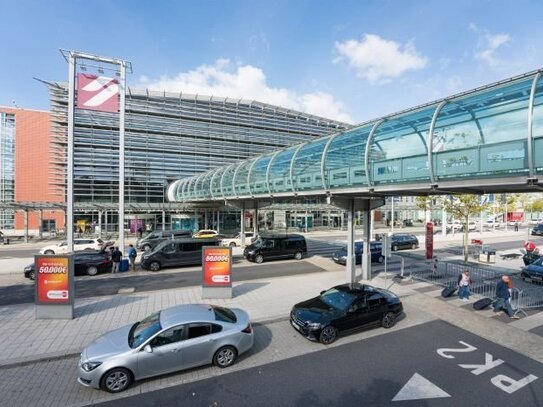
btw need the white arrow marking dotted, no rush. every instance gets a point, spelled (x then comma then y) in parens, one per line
(418, 388)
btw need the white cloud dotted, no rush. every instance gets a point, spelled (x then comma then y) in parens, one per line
(488, 45)
(246, 82)
(378, 60)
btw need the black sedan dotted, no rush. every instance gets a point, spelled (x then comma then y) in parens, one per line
(86, 262)
(537, 230)
(340, 256)
(400, 241)
(344, 308)
(533, 271)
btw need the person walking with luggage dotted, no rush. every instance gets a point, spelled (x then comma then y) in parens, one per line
(464, 284)
(132, 254)
(503, 294)
(116, 256)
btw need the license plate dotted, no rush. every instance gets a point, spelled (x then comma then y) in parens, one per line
(295, 325)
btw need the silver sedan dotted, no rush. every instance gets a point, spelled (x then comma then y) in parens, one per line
(173, 339)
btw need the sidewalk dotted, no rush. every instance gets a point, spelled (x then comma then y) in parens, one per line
(26, 339)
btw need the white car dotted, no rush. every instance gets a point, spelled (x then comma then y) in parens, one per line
(236, 240)
(79, 244)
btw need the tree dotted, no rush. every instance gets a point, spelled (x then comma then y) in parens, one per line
(461, 207)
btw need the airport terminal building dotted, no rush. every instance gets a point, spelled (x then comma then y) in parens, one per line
(168, 136)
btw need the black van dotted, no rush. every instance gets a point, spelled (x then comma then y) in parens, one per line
(150, 241)
(268, 247)
(177, 252)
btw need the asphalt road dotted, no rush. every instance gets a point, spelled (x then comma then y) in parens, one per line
(93, 287)
(398, 369)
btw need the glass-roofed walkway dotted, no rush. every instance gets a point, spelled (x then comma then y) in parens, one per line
(489, 139)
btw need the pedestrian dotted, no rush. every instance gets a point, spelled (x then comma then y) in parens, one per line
(516, 226)
(116, 259)
(503, 295)
(132, 254)
(434, 266)
(140, 232)
(464, 284)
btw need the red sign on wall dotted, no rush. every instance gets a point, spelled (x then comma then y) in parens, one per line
(429, 240)
(217, 266)
(52, 280)
(97, 93)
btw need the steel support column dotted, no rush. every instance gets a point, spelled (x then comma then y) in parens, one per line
(255, 220)
(242, 225)
(100, 224)
(163, 220)
(26, 225)
(40, 221)
(366, 255)
(351, 263)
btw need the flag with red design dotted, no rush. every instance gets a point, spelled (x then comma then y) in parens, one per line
(97, 93)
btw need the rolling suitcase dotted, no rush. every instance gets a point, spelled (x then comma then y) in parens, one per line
(448, 292)
(482, 304)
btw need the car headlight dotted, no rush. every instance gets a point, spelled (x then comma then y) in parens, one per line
(29, 268)
(314, 325)
(251, 252)
(145, 256)
(90, 366)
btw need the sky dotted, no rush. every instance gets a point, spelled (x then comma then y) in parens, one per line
(351, 61)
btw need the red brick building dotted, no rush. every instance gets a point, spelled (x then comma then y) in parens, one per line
(33, 169)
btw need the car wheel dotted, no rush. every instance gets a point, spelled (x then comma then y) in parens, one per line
(259, 259)
(413, 246)
(328, 335)
(233, 244)
(394, 248)
(146, 248)
(225, 356)
(381, 259)
(49, 252)
(154, 266)
(116, 380)
(298, 256)
(32, 275)
(92, 270)
(388, 321)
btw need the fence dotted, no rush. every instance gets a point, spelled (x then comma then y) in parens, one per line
(523, 297)
(446, 275)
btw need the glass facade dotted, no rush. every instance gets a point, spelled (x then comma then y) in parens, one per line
(491, 132)
(7, 168)
(172, 136)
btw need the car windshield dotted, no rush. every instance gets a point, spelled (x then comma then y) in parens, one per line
(143, 330)
(337, 299)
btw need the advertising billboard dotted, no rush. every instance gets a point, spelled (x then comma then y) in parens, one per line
(54, 280)
(217, 266)
(429, 240)
(97, 93)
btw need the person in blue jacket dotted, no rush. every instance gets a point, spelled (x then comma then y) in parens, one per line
(503, 295)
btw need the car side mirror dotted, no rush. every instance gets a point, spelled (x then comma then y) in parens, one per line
(147, 348)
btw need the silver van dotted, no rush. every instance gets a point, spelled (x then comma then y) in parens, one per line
(150, 241)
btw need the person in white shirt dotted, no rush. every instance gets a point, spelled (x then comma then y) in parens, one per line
(464, 284)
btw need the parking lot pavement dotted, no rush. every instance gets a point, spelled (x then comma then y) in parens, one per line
(53, 382)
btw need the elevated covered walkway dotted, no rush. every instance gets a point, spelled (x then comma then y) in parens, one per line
(489, 139)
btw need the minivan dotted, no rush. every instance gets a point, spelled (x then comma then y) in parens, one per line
(150, 241)
(176, 252)
(268, 247)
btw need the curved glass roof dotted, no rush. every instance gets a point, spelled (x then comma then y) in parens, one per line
(488, 133)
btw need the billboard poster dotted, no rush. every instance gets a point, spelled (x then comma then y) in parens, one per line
(53, 280)
(429, 240)
(97, 93)
(217, 266)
